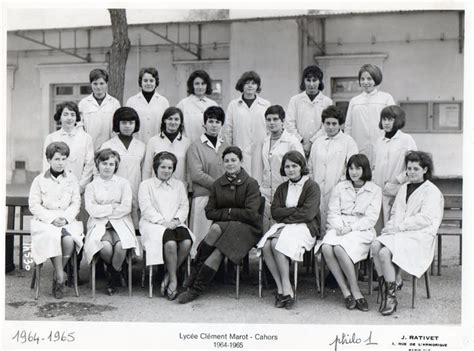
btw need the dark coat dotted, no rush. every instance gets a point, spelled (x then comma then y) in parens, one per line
(242, 229)
(307, 210)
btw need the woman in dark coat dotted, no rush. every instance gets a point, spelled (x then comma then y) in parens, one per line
(233, 207)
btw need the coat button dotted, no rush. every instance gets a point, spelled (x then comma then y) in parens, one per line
(232, 187)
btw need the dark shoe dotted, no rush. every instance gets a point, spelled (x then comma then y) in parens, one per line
(203, 278)
(278, 297)
(399, 286)
(391, 303)
(203, 252)
(362, 305)
(110, 275)
(59, 290)
(53, 288)
(188, 296)
(283, 301)
(381, 292)
(350, 302)
(290, 303)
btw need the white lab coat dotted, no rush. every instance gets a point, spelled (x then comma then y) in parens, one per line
(362, 120)
(97, 119)
(49, 199)
(327, 165)
(81, 154)
(245, 127)
(418, 219)
(150, 114)
(389, 167)
(130, 168)
(193, 109)
(99, 197)
(303, 116)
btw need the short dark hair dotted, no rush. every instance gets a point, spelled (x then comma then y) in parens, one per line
(104, 155)
(245, 77)
(125, 114)
(204, 76)
(360, 160)
(70, 105)
(424, 159)
(393, 112)
(150, 70)
(56, 146)
(233, 150)
(374, 71)
(214, 112)
(170, 111)
(276, 110)
(296, 157)
(333, 112)
(160, 157)
(98, 73)
(312, 71)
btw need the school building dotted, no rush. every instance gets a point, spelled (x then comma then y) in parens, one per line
(421, 54)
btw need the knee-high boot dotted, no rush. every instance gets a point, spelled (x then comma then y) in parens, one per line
(391, 300)
(203, 278)
(203, 252)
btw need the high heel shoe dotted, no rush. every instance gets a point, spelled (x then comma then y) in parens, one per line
(172, 294)
(399, 286)
(391, 302)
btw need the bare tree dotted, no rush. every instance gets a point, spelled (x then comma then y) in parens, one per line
(119, 52)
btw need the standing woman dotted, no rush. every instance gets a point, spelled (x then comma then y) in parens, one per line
(164, 205)
(245, 123)
(148, 103)
(110, 228)
(199, 85)
(353, 211)
(169, 139)
(275, 146)
(363, 113)
(54, 201)
(233, 208)
(408, 240)
(131, 151)
(98, 108)
(304, 110)
(390, 151)
(329, 155)
(204, 162)
(295, 208)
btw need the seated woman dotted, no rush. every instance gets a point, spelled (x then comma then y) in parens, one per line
(354, 208)
(233, 207)
(295, 208)
(408, 239)
(164, 207)
(54, 201)
(110, 228)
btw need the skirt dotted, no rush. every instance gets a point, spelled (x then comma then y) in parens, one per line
(293, 240)
(236, 241)
(178, 234)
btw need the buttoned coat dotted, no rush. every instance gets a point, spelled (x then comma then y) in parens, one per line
(242, 225)
(193, 108)
(418, 219)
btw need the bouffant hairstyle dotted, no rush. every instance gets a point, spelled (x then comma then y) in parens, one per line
(360, 160)
(424, 159)
(276, 110)
(170, 111)
(245, 77)
(56, 146)
(393, 112)
(233, 150)
(374, 71)
(312, 71)
(71, 106)
(333, 112)
(296, 157)
(204, 76)
(98, 73)
(150, 70)
(125, 114)
(214, 112)
(160, 157)
(104, 155)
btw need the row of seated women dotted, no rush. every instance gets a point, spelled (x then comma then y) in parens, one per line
(406, 242)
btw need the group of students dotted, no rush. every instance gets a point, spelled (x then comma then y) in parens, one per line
(283, 182)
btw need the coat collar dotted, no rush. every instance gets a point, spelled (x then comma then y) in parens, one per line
(368, 186)
(372, 93)
(241, 178)
(48, 174)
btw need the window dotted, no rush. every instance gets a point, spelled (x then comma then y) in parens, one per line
(67, 92)
(343, 89)
(431, 116)
(217, 91)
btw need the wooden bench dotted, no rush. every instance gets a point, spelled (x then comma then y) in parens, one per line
(451, 225)
(13, 230)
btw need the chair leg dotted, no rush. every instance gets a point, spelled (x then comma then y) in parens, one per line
(33, 278)
(370, 268)
(427, 283)
(94, 262)
(323, 275)
(439, 253)
(143, 269)
(150, 282)
(38, 279)
(296, 276)
(74, 271)
(260, 266)
(129, 254)
(237, 281)
(316, 273)
(413, 292)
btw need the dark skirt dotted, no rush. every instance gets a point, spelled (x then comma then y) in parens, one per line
(237, 240)
(178, 234)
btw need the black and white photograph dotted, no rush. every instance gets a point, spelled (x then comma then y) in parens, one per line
(226, 175)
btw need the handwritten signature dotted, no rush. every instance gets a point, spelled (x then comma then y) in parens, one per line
(348, 339)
